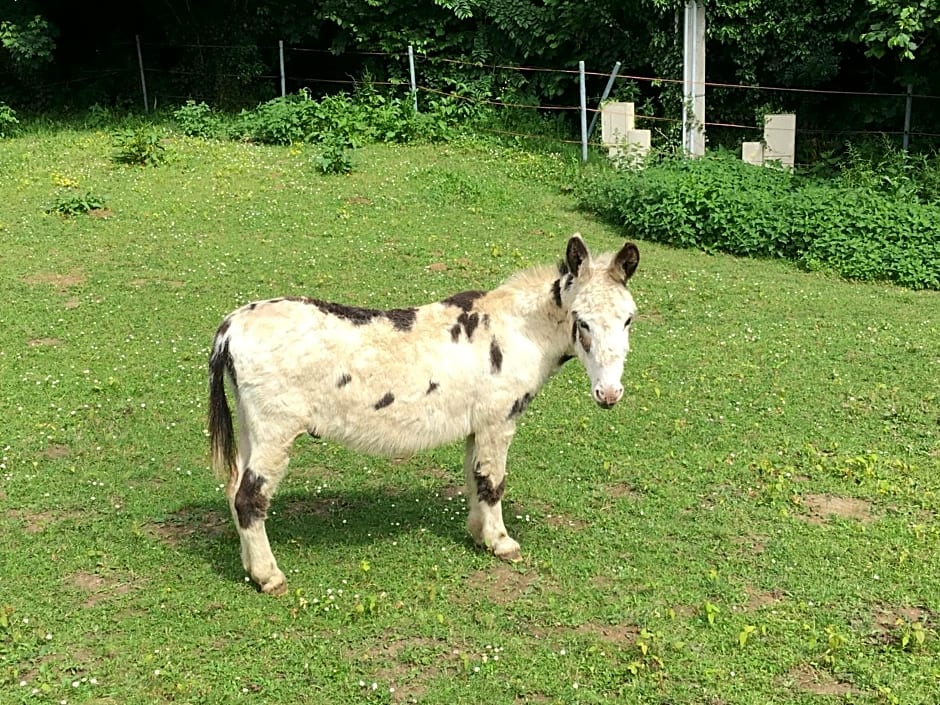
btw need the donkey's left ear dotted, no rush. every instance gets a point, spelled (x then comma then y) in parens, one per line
(625, 263)
(576, 254)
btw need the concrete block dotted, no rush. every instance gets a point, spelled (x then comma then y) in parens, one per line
(617, 119)
(780, 138)
(752, 152)
(634, 148)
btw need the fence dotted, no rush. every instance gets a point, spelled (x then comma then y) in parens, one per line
(287, 69)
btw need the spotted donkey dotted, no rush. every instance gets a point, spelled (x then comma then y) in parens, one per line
(399, 381)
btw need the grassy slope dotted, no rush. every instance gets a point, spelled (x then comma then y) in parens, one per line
(678, 549)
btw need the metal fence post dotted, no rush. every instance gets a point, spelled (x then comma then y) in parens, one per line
(584, 131)
(906, 141)
(143, 81)
(280, 45)
(610, 84)
(414, 84)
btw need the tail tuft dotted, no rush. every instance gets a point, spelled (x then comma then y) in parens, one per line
(221, 432)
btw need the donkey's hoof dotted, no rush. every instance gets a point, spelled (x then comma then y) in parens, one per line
(507, 550)
(277, 585)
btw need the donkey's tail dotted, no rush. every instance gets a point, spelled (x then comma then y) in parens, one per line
(221, 433)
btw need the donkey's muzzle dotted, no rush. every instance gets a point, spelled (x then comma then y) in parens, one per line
(606, 397)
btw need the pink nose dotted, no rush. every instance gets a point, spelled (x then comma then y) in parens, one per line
(607, 396)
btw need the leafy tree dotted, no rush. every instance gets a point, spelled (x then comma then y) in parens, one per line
(905, 27)
(30, 42)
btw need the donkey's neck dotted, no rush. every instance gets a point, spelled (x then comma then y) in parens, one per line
(532, 297)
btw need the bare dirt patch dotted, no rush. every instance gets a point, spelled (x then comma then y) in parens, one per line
(565, 522)
(754, 544)
(822, 507)
(889, 624)
(758, 599)
(59, 281)
(56, 450)
(98, 588)
(623, 490)
(809, 679)
(405, 667)
(43, 342)
(502, 584)
(184, 523)
(619, 634)
(35, 522)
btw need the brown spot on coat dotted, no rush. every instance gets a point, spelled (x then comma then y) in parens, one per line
(520, 405)
(250, 503)
(556, 292)
(344, 380)
(384, 401)
(402, 318)
(496, 357)
(485, 490)
(464, 299)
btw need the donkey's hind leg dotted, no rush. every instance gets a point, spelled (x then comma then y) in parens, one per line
(261, 467)
(485, 472)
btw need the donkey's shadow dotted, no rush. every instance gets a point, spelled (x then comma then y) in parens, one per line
(346, 517)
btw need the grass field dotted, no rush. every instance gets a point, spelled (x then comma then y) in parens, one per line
(755, 523)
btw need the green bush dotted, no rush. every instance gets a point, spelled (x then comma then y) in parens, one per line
(286, 120)
(718, 203)
(141, 146)
(8, 120)
(198, 120)
(333, 157)
(366, 116)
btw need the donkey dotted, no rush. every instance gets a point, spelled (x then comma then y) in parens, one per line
(403, 380)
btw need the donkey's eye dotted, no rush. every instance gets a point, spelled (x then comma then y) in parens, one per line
(583, 326)
(629, 321)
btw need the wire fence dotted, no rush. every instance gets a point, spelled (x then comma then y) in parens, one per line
(213, 72)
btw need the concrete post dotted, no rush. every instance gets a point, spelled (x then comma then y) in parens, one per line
(693, 79)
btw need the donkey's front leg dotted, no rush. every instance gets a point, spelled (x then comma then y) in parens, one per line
(485, 471)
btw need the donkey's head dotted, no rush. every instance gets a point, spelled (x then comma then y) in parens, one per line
(600, 310)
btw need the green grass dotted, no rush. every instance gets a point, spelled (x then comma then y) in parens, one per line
(678, 549)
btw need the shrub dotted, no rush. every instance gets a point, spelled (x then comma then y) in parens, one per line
(140, 146)
(198, 120)
(719, 203)
(280, 121)
(333, 157)
(8, 120)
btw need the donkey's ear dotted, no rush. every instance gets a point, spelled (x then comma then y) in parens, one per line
(625, 263)
(576, 254)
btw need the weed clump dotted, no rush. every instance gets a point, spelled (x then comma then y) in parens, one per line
(141, 146)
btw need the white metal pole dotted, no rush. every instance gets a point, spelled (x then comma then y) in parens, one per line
(280, 44)
(610, 85)
(693, 79)
(143, 81)
(688, 92)
(414, 83)
(584, 133)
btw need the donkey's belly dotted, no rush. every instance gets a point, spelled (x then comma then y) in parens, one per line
(407, 429)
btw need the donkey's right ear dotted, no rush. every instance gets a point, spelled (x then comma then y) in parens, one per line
(576, 254)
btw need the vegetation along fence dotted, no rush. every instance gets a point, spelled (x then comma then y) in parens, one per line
(236, 76)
